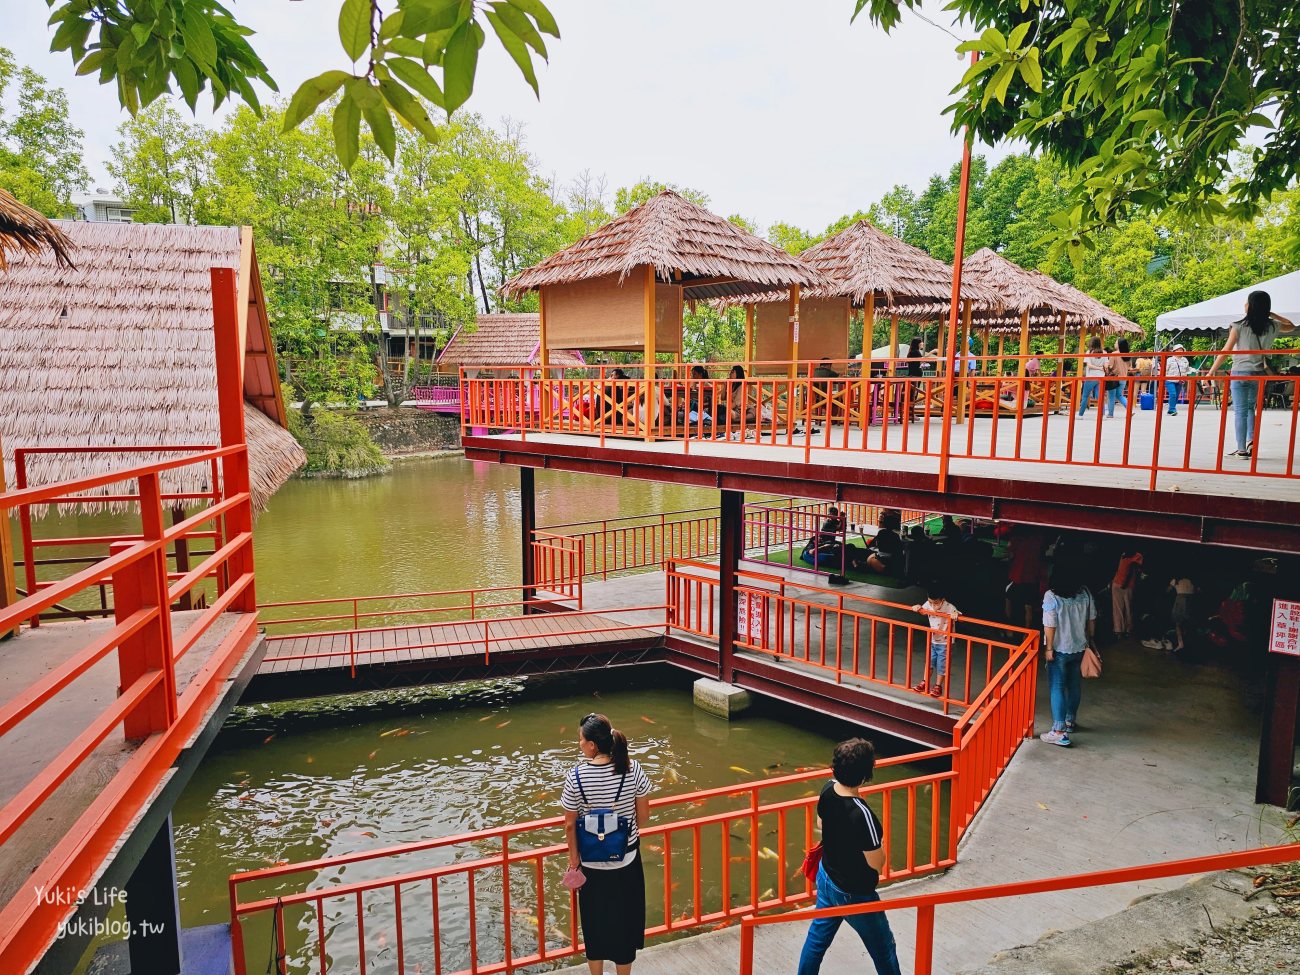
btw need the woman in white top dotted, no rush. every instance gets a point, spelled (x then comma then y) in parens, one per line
(611, 903)
(1094, 371)
(1248, 339)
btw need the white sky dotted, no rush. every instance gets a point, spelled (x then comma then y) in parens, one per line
(778, 111)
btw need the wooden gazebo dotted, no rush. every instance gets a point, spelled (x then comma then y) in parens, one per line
(623, 286)
(867, 269)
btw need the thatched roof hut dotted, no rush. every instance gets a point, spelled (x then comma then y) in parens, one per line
(507, 339)
(119, 351)
(24, 230)
(863, 267)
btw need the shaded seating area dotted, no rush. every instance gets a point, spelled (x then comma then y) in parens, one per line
(623, 288)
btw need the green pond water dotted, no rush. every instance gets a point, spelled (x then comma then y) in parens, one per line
(302, 780)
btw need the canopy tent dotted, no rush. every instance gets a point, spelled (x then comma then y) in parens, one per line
(865, 268)
(623, 286)
(1215, 314)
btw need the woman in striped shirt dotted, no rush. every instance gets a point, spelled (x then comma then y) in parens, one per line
(611, 903)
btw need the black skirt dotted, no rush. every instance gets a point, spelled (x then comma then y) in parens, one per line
(611, 905)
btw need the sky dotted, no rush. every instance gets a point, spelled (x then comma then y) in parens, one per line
(779, 111)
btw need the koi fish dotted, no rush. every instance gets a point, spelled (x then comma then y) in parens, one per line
(382, 940)
(653, 848)
(767, 894)
(741, 771)
(243, 782)
(542, 795)
(396, 733)
(372, 755)
(671, 775)
(556, 933)
(310, 760)
(504, 723)
(648, 720)
(268, 739)
(486, 717)
(327, 823)
(368, 833)
(767, 853)
(808, 768)
(719, 926)
(740, 859)
(773, 767)
(277, 863)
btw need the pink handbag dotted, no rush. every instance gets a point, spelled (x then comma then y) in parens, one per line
(574, 878)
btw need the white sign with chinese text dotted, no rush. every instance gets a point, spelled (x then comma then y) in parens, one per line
(1284, 636)
(749, 617)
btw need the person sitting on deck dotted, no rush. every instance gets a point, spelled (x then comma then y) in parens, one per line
(824, 370)
(614, 392)
(737, 396)
(886, 554)
(948, 530)
(700, 396)
(826, 547)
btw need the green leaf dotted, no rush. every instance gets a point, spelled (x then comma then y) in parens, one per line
(425, 16)
(381, 127)
(409, 109)
(347, 130)
(1256, 118)
(94, 59)
(545, 22)
(1018, 35)
(391, 26)
(458, 66)
(415, 77)
(199, 42)
(309, 96)
(354, 27)
(141, 33)
(516, 49)
(1031, 71)
(406, 46)
(520, 25)
(993, 40)
(188, 80)
(363, 93)
(997, 86)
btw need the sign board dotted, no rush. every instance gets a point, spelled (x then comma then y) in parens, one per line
(749, 617)
(796, 331)
(1284, 636)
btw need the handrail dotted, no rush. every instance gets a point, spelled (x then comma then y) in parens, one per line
(925, 904)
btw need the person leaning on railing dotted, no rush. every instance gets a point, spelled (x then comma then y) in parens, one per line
(852, 856)
(1248, 340)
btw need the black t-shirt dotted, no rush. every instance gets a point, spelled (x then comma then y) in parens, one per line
(888, 545)
(849, 829)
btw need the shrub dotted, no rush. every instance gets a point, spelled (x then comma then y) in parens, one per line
(337, 445)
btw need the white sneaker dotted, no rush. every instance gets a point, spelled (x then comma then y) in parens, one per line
(1154, 644)
(1056, 738)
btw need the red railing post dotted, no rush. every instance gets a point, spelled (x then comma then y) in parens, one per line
(230, 410)
(143, 585)
(25, 527)
(924, 940)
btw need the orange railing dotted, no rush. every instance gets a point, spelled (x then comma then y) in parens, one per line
(102, 544)
(156, 715)
(987, 415)
(925, 904)
(491, 901)
(850, 637)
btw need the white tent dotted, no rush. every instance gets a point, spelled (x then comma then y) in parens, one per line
(1218, 313)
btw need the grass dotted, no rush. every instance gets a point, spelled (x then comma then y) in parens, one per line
(782, 557)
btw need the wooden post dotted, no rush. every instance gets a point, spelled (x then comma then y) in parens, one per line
(651, 394)
(1060, 343)
(731, 545)
(1083, 345)
(962, 374)
(1002, 351)
(527, 527)
(864, 388)
(893, 341)
(182, 549)
(749, 338)
(1024, 342)
(8, 585)
(984, 350)
(794, 331)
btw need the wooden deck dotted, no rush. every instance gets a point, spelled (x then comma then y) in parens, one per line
(452, 643)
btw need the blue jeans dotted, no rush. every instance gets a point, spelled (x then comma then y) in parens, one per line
(1244, 396)
(938, 661)
(1115, 396)
(872, 928)
(1090, 386)
(1171, 395)
(1066, 685)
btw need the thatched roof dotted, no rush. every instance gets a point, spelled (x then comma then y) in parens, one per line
(508, 339)
(1048, 301)
(24, 230)
(684, 243)
(120, 352)
(862, 260)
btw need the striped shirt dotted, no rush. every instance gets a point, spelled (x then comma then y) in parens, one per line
(601, 784)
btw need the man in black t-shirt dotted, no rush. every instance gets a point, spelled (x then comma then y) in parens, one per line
(853, 854)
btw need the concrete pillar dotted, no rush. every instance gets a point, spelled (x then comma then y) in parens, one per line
(153, 908)
(527, 525)
(731, 545)
(720, 698)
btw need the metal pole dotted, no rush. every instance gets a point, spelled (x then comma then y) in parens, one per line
(731, 544)
(959, 245)
(527, 528)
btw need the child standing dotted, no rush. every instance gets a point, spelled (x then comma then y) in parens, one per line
(941, 615)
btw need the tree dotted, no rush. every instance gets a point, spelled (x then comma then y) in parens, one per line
(160, 166)
(1144, 101)
(40, 148)
(146, 47)
(787, 236)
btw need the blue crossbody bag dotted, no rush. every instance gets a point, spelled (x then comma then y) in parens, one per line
(603, 835)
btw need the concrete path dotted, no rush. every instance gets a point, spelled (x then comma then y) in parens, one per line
(1164, 769)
